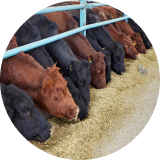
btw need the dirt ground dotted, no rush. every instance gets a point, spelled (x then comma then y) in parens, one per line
(117, 114)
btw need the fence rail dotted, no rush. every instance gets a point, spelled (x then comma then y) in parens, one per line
(83, 27)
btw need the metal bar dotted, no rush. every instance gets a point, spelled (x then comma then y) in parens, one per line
(83, 16)
(38, 10)
(92, 5)
(33, 45)
(125, 15)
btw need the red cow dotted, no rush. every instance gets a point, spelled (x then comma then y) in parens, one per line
(81, 47)
(123, 26)
(47, 87)
(130, 51)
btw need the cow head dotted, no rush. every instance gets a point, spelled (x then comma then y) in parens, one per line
(97, 70)
(24, 115)
(138, 43)
(81, 77)
(57, 99)
(130, 51)
(117, 58)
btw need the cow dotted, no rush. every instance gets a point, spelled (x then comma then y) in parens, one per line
(107, 59)
(136, 28)
(32, 34)
(47, 87)
(60, 52)
(103, 38)
(130, 51)
(106, 41)
(125, 27)
(27, 34)
(24, 115)
(78, 41)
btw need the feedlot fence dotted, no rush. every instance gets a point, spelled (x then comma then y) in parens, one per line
(83, 6)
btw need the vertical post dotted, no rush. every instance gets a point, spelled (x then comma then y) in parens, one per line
(83, 15)
(124, 14)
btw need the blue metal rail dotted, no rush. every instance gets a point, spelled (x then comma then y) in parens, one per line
(39, 43)
(83, 27)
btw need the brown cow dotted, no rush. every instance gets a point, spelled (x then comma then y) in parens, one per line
(125, 27)
(114, 12)
(81, 47)
(47, 87)
(130, 51)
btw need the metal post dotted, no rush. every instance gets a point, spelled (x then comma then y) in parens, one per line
(125, 15)
(83, 15)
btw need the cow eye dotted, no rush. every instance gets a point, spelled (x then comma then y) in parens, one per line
(25, 111)
(139, 42)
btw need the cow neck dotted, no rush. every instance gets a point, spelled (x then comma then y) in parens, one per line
(113, 32)
(124, 27)
(94, 42)
(23, 71)
(76, 43)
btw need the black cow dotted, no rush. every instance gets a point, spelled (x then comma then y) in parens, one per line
(24, 115)
(92, 40)
(103, 38)
(83, 110)
(70, 66)
(136, 28)
(33, 30)
(27, 34)
(106, 41)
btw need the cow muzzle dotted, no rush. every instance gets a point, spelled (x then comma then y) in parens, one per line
(137, 56)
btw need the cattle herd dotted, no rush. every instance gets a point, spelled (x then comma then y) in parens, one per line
(56, 77)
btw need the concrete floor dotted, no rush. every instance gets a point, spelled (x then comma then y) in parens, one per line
(147, 143)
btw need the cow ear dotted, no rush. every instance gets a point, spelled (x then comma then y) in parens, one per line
(53, 69)
(90, 58)
(134, 43)
(46, 86)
